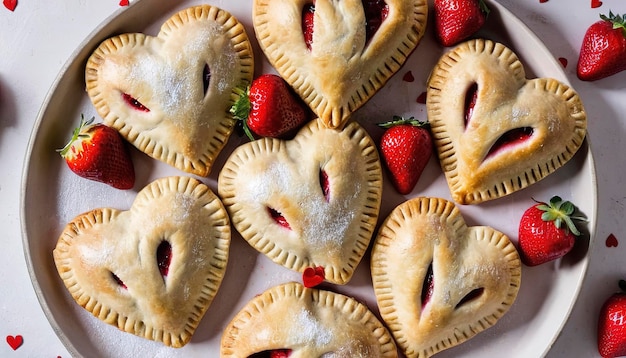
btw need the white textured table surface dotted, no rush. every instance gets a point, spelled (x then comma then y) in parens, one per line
(39, 36)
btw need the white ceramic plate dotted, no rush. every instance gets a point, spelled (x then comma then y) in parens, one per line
(52, 196)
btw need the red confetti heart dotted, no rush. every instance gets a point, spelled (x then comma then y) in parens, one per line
(15, 341)
(124, 2)
(312, 277)
(10, 4)
(563, 61)
(408, 77)
(595, 3)
(542, 1)
(422, 98)
(611, 241)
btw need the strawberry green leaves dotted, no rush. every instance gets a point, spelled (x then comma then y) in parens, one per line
(560, 212)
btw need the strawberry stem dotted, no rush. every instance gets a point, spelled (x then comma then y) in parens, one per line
(559, 212)
(618, 21)
(241, 109)
(483, 7)
(77, 134)
(398, 120)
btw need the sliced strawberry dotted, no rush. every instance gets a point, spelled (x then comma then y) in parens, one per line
(98, 152)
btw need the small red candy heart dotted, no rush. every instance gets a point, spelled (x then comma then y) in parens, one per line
(408, 77)
(563, 61)
(124, 2)
(313, 276)
(596, 4)
(15, 341)
(611, 241)
(422, 98)
(542, 1)
(10, 4)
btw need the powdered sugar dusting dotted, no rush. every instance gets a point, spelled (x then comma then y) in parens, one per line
(310, 329)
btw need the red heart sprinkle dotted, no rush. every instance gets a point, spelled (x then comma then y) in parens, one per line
(313, 276)
(563, 61)
(124, 3)
(542, 1)
(595, 3)
(10, 4)
(408, 77)
(611, 241)
(422, 98)
(15, 341)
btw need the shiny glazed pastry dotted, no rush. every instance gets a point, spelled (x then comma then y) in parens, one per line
(437, 281)
(153, 270)
(495, 131)
(352, 52)
(170, 95)
(306, 322)
(307, 202)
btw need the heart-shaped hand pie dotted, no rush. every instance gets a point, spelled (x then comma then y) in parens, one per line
(153, 270)
(495, 131)
(307, 202)
(437, 281)
(354, 47)
(305, 322)
(170, 95)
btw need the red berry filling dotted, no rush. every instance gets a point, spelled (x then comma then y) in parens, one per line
(118, 281)
(511, 138)
(206, 77)
(325, 185)
(133, 102)
(164, 257)
(471, 296)
(308, 13)
(376, 11)
(275, 353)
(279, 218)
(428, 287)
(470, 102)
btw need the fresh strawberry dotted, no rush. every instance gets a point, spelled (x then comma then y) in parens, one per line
(612, 325)
(603, 51)
(542, 234)
(406, 146)
(99, 153)
(376, 12)
(270, 108)
(457, 20)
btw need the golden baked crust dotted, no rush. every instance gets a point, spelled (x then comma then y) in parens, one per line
(476, 274)
(341, 71)
(270, 178)
(170, 95)
(108, 260)
(519, 132)
(309, 322)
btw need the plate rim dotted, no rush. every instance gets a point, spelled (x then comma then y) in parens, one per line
(103, 30)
